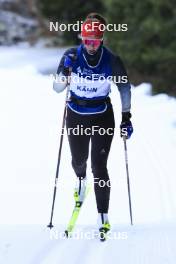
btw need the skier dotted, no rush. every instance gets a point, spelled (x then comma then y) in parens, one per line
(89, 107)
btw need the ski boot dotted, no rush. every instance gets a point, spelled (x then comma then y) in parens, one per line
(80, 191)
(104, 226)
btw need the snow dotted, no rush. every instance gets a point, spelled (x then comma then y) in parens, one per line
(30, 122)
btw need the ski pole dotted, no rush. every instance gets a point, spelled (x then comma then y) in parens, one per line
(50, 225)
(128, 180)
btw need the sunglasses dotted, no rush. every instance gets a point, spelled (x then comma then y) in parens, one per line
(92, 42)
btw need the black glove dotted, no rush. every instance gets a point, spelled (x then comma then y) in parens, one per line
(69, 63)
(126, 128)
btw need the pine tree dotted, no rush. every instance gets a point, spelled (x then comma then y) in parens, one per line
(149, 45)
(69, 12)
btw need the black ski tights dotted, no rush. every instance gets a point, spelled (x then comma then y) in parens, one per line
(99, 129)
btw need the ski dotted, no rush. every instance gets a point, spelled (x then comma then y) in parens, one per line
(75, 212)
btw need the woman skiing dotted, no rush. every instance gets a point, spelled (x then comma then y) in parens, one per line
(89, 109)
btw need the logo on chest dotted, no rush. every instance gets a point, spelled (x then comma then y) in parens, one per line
(89, 74)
